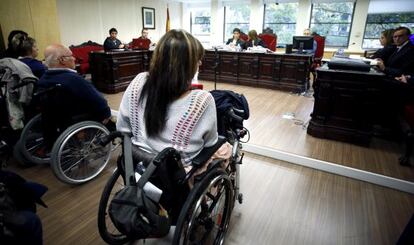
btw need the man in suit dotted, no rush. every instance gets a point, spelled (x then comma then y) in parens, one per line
(401, 60)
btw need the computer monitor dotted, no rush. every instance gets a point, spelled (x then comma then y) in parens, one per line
(302, 42)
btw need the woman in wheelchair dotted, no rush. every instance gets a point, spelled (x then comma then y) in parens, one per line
(160, 109)
(172, 128)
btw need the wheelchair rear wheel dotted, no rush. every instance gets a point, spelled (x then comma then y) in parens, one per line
(205, 215)
(32, 143)
(107, 230)
(76, 156)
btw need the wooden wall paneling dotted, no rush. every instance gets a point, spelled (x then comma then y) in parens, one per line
(45, 23)
(15, 15)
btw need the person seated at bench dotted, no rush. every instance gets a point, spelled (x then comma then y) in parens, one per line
(80, 96)
(28, 53)
(112, 42)
(254, 40)
(386, 40)
(235, 41)
(401, 61)
(160, 109)
(143, 42)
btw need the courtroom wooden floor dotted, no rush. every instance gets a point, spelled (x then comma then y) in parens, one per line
(269, 128)
(283, 204)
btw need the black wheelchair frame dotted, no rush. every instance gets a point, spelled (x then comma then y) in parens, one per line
(203, 215)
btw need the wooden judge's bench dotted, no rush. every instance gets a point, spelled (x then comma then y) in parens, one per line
(113, 71)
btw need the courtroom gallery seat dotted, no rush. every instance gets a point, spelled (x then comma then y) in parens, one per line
(81, 54)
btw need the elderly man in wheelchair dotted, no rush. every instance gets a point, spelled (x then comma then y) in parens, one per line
(73, 115)
(175, 169)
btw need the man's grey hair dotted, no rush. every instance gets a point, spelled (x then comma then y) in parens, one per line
(53, 53)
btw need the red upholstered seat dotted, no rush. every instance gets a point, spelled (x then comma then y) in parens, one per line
(270, 40)
(317, 60)
(244, 37)
(81, 54)
(196, 86)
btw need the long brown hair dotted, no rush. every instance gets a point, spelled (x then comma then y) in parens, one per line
(173, 66)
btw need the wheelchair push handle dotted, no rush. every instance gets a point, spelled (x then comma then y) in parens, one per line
(45, 91)
(25, 82)
(232, 114)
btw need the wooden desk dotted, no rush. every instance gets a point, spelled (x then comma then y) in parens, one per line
(277, 71)
(113, 71)
(347, 105)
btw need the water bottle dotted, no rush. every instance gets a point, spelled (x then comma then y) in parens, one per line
(238, 48)
(340, 52)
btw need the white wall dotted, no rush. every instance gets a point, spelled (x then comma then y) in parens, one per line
(81, 20)
(387, 6)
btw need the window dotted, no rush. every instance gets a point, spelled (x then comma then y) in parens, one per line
(333, 20)
(236, 16)
(376, 23)
(281, 18)
(200, 24)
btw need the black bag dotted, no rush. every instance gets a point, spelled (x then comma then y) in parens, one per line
(132, 212)
(137, 216)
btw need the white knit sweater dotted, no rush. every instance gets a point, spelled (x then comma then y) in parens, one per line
(191, 121)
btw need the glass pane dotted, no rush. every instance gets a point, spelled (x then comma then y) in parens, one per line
(332, 12)
(281, 13)
(200, 22)
(336, 34)
(237, 16)
(284, 32)
(394, 17)
(371, 44)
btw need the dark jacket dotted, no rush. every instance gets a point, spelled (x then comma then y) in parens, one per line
(400, 62)
(239, 42)
(35, 65)
(111, 44)
(384, 53)
(79, 96)
(258, 42)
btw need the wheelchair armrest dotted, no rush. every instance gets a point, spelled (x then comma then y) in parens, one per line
(138, 155)
(207, 152)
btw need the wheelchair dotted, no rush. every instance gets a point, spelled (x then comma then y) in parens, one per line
(201, 215)
(8, 135)
(67, 142)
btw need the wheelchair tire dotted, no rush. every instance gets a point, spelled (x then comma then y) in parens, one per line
(197, 210)
(32, 142)
(107, 230)
(19, 156)
(76, 155)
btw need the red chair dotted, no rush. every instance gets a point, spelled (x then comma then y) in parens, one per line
(320, 41)
(270, 40)
(244, 37)
(196, 86)
(81, 54)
